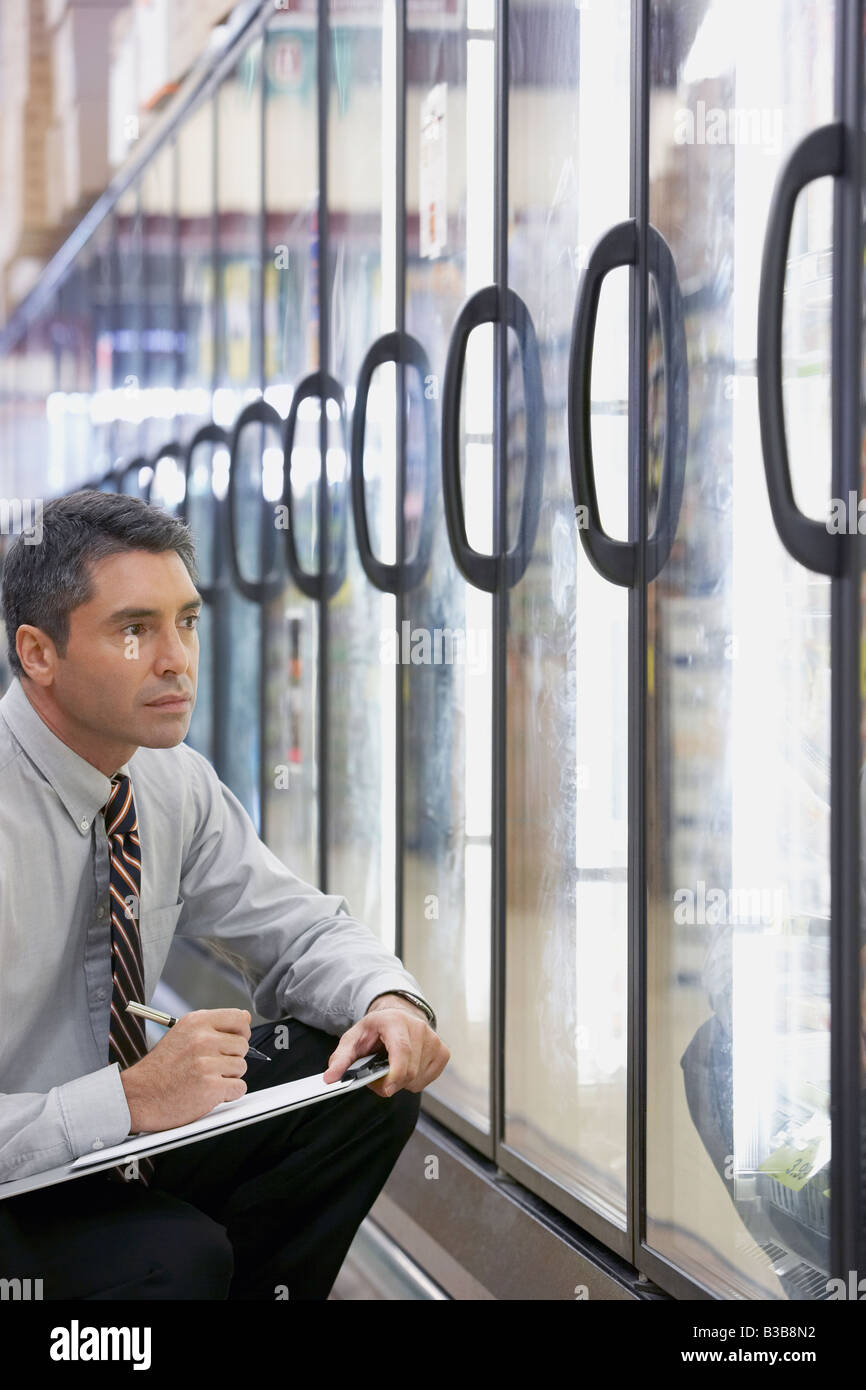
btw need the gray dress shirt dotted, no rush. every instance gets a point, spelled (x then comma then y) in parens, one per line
(205, 873)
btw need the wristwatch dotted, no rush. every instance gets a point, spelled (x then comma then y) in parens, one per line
(414, 999)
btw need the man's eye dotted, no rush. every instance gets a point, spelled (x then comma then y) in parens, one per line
(130, 626)
(192, 618)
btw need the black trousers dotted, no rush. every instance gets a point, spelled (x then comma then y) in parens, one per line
(266, 1212)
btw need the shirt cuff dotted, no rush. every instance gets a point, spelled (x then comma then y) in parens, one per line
(95, 1110)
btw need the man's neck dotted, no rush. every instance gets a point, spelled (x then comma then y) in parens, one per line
(104, 754)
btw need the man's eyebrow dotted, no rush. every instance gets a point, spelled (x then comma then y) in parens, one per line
(130, 613)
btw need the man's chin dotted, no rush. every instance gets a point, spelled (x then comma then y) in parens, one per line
(164, 728)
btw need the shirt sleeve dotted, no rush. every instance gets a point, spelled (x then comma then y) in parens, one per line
(46, 1130)
(301, 952)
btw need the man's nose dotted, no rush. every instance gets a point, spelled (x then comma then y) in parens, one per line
(173, 654)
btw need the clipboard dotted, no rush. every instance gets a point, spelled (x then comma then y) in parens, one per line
(229, 1115)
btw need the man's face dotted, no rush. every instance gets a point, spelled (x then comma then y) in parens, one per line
(133, 643)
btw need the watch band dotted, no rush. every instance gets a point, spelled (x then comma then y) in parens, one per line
(415, 999)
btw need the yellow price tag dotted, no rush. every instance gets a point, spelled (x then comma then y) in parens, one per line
(791, 1166)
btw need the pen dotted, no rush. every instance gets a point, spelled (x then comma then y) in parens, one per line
(157, 1016)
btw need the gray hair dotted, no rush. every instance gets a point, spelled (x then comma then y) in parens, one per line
(43, 583)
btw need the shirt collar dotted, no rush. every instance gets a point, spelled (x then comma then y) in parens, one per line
(82, 788)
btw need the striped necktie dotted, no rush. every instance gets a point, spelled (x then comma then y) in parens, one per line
(127, 1041)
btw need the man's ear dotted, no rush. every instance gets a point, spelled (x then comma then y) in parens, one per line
(37, 654)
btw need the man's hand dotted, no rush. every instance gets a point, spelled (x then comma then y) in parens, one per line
(416, 1054)
(196, 1065)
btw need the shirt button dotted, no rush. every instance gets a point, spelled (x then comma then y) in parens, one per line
(97, 1144)
(100, 912)
(84, 823)
(100, 994)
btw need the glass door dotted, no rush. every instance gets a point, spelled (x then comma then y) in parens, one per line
(239, 201)
(566, 847)
(444, 647)
(737, 796)
(362, 284)
(292, 725)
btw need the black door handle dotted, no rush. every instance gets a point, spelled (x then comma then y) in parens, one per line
(256, 590)
(660, 263)
(614, 560)
(325, 387)
(481, 570)
(617, 560)
(208, 434)
(399, 348)
(821, 153)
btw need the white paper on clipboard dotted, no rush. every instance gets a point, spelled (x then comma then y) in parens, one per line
(231, 1114)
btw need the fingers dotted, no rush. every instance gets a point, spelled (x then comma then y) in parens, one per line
(350, 1046)
(430, 1061)
(228, 1020)
(438, 1059)
(404, 1057)
(232, 1066)
(231, 1027)
(416, 1055)
(434, 1059)
(220, 1033)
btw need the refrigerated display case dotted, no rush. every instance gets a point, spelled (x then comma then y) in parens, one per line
(606, 257)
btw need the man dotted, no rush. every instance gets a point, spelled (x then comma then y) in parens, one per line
(115, 838)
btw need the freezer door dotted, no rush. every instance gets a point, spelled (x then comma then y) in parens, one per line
(738, 694)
